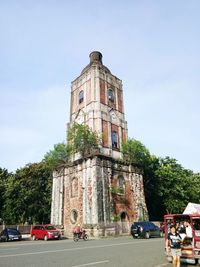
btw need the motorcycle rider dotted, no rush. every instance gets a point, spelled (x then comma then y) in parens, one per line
(78, 230)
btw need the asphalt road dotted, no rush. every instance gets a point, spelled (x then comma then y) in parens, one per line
(115, 252)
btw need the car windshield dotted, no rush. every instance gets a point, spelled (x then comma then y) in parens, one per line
(50, 227)
(13, 232)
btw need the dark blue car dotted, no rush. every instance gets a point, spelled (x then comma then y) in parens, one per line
(10, 234)
(146, 230)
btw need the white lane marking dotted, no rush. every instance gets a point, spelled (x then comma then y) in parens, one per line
(8, 248)
(73, 249)
(30, 243)
(91, 263)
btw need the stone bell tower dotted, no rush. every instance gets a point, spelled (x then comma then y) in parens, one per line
(99, 190)
(97, 100)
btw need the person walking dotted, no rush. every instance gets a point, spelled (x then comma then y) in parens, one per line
(173, 244)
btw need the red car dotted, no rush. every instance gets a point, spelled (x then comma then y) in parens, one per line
(45, 232)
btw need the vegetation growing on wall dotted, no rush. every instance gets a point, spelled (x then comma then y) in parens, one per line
(82, 139)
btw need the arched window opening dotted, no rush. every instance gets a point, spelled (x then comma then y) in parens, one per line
(114, 139)
(124, 222)
(123, 217)
(81, 96)
(111, 95)
(74, 216)
(121, 184)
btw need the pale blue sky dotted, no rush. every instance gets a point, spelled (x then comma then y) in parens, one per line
(153, 46)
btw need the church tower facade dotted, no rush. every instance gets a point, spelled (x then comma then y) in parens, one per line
(97, 100)
(102, 189)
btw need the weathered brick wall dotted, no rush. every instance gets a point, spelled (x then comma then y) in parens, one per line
(102, 92)
(82, 188)
(88, 91)
(105, 133)
(95, 203)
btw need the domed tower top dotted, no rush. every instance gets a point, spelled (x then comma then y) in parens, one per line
(95, 57)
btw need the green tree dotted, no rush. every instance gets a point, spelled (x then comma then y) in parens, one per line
(177, 186)
(28, 195)
(151, 188)
(4, 176)
(193, 190)
(134, 152)
(58, 156)
(82, 139)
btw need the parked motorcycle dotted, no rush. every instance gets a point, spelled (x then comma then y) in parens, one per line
(81, 235)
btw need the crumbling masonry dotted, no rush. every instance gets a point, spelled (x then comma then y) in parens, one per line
(100, 192)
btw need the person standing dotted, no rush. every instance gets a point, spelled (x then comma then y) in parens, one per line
(188, 231)
(173, 243)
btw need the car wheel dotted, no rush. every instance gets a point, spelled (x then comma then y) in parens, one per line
(33, 238)
(147, 235)
(45, 237)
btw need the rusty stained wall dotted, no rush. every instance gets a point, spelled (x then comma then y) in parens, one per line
(139, 197)
(93, 201)
(124, 202)
(127, 202)
(103, 172)
(85, 201)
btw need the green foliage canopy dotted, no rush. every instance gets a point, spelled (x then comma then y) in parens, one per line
(59, 155)
(177, 186)
(134, 152)
(4, 176)
(28, 195)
